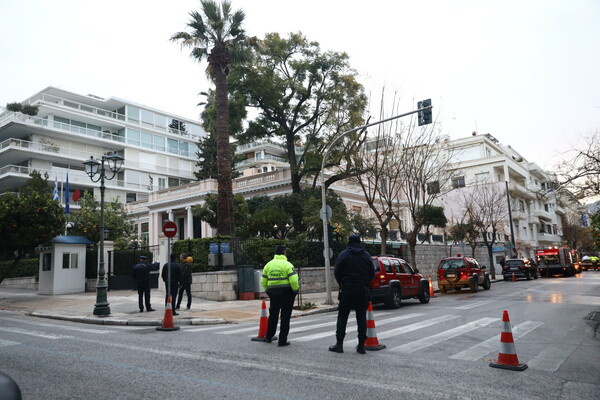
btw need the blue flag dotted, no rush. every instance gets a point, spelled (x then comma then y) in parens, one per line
(67, 195)
(55, 197)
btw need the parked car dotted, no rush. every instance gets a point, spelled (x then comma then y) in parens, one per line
(462, 272)
(520, 267)
(395, 280)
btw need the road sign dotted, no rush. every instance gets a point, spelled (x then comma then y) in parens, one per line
(325, 213)
(169, 229)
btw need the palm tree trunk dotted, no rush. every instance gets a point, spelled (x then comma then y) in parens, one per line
(224, 185)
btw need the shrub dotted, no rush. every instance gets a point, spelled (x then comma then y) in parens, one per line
(26, 267)
(16, 107)
(30, 109)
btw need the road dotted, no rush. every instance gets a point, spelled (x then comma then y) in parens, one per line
(439, 350)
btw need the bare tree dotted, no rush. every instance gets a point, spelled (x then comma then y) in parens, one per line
(486, 207)
(580, 170)
(379, 163)
(424, 176)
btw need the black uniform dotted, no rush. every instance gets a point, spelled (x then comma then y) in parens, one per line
(141, 276)
(186, 284)
(175, 280)
(353, 272)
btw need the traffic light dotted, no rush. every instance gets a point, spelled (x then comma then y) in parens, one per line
(424, 115)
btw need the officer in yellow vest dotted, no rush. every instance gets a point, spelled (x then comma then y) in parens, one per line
(280, 281)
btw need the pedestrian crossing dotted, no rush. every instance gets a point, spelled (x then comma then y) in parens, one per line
(392, 330)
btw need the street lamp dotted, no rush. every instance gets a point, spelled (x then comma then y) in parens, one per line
(92, 168)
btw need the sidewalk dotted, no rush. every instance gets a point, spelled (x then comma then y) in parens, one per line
(124, 309)
(79, 307)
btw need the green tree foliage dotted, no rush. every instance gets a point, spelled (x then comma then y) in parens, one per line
(304, 97)
(29, 219)
(217, 36)
(208, 212)
(116, 221)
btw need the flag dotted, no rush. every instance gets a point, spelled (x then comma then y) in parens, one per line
(55, 197)
(67, 195)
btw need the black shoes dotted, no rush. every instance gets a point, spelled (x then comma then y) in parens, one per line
(337, 348)
(361, 349)
(151, 309)
(175, 313)
(268, 340)
(281, 344)
(177, 308)
(141, 310)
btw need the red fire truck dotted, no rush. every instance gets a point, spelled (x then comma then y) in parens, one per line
(555, 260)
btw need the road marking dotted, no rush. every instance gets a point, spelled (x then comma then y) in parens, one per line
(416, 326)
(8, 343)
(443, 336)
(66, 327)
(35, 333)
(481, 349)
(552, 358)
(352, 325)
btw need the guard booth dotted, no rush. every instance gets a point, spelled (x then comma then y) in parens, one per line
(62, 266)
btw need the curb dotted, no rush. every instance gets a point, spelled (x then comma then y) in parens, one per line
(126, 322)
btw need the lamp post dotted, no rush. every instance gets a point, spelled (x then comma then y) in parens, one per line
(96, 168)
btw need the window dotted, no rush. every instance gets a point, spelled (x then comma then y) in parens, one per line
(433, 187)
(147, 117)
(488, 152)
(162, 183)
(70, 260)
(133, 114)
(458, 182)
(173, 146)
(47, 262)
(397, 266)
(482, 177)
(546, 207)
(407, 268)
(130, 197)
(146, 140)
(387, 265)
(133, 137)
(159, 143)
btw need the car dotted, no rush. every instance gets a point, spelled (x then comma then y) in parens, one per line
(462, 272)
(395, 280)
(520, 267)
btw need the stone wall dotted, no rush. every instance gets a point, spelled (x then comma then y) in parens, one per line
(20, 283)
(218, 286)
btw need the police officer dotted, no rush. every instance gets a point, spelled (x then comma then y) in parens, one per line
(353, 272)
(141, 276)
(280, 281)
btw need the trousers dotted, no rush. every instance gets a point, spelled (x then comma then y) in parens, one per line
(187, 287)
(280, 302)
(144, 295)
(356, 299)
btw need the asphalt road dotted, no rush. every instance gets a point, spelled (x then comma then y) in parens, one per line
(439, 350)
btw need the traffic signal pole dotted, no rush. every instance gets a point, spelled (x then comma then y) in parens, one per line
(423, 108)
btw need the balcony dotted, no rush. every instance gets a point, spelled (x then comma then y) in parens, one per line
(543, 214)
(519, 190)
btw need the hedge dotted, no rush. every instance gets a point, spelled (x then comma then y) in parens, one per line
(26, 267)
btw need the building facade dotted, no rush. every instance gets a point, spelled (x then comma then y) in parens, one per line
(159, 148)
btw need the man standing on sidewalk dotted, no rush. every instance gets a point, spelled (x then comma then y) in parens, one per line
(141, 276)
(353, 272)
(175, 280)
(280, 281)
(186, 280)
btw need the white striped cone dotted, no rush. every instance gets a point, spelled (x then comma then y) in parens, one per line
(371, 343)
(263, 325)
(507, 357)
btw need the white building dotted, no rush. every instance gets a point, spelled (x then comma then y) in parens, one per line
(159, 148)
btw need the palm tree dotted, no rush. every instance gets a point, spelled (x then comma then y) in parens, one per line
(217, 35)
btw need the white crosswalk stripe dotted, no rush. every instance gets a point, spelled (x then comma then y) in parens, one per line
(57, 326)
(552, 358)
(442, 336)
(352, 325)
(8, 343)
(481, 349)
(35, 333)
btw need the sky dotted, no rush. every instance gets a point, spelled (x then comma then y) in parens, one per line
(527, 72)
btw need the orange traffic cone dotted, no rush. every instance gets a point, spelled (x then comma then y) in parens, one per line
(514, 278)
(507, 357)
(431, 292)
(371, 342)
(263, 325)
(167, 322)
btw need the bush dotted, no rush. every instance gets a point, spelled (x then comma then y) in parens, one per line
(16, 107)
(25, 267)
(30, 109)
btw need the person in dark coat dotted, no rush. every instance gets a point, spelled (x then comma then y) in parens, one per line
(141, 276)
(175, 280)
(186, 280)
(353, 272)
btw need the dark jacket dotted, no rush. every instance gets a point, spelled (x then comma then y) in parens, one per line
(141, 273)
(354, 267)
(175, 274)
(186, 273)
